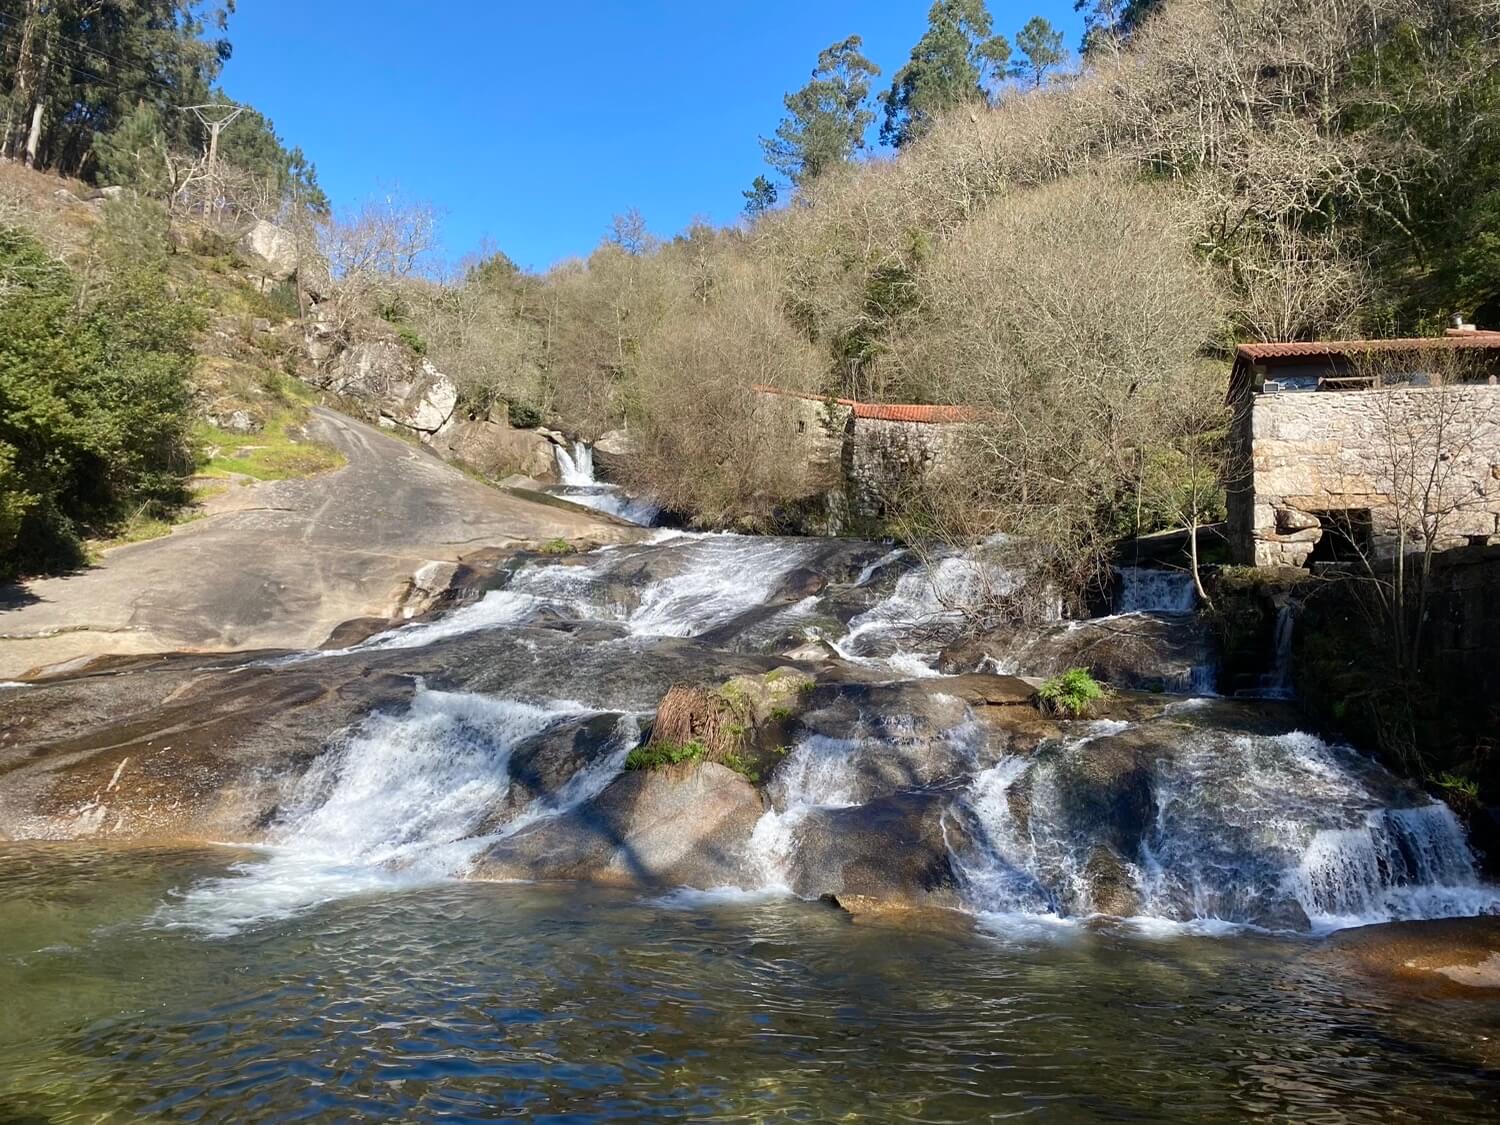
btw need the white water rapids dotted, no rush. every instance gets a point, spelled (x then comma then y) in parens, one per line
(407, 799)
(1277, 831)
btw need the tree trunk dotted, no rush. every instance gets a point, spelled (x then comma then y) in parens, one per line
(38, 109)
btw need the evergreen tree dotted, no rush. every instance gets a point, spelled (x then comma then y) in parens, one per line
(948, 67)
(134, 154)
(760, 197)
(1042, 50)
(826, 119)
(1106, 23)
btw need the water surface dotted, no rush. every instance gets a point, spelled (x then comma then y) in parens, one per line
(471, 1001)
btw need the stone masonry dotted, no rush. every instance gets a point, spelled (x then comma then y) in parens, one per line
(883, 458)
(1311, 460)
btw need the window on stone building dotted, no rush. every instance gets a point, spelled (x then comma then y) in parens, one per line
(1348, 534)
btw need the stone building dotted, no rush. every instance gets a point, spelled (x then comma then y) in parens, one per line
(1337, 447)
(867, 453)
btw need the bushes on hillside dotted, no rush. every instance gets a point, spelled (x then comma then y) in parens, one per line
(93, 393)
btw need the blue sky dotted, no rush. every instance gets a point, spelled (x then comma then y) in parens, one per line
(530, 125)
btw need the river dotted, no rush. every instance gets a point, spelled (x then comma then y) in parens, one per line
(442, 894)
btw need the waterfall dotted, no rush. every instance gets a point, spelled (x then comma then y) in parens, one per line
(1283, 832)
(928, 607)
(1277, 684)
(405, 799)
(819, 773)
(1142, 589)
(576, 468)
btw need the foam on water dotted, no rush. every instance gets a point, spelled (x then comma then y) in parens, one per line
(407, 799)
(929, 604)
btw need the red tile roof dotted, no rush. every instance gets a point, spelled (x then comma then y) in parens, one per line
(1317, 349)
(891, 412)
(884, 411)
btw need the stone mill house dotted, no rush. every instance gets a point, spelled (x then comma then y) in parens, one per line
(868, 452)
(1337, 447)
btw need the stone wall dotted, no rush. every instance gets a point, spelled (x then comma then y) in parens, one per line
(882, 459)
(1309, 459)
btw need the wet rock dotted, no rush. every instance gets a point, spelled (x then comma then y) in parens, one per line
(1112, 888)
(1106, 784)
(902, 915)
(1452, 954)
(1147, 652)
(686, 825)
(894, 850)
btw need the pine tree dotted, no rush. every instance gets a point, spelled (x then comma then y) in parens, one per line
(826, 119)
(1042, 50)
(949, 66)
(760, 197)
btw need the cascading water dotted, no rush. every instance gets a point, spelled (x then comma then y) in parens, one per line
(1282, 832)
(576, 467)
(1277, 684)
(575, 470)
(928, 607)
(407, 799)
(1202, 826)
(1141, 589)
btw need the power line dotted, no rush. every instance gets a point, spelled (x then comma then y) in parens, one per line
(81, 46)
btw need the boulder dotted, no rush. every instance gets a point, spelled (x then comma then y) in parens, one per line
(896, 850)
(1147, 652)
(270, 249)
(611, 451)
(390, 383)
(687, 825)
(497, 450)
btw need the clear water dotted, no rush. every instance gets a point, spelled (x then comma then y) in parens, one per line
(474, 1001)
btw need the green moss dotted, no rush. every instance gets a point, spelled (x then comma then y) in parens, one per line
(557, 547)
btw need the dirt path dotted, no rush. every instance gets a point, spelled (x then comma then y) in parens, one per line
(279, 563)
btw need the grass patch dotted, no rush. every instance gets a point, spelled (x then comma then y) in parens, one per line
(1073, 693)
(654, 755)
(1458, 790)
(152, 522)
(276, 453)
(557, 547)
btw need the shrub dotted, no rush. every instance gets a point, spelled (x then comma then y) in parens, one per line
(93, 393)
(654, 755)
(412, 339)
(1073, 693)
(523, 415)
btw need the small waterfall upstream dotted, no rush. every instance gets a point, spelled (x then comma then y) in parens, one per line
(575, 470)
(1141, 589)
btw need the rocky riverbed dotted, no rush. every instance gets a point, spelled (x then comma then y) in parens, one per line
(494, 741)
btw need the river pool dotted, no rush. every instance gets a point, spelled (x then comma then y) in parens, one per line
(469, 1000)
